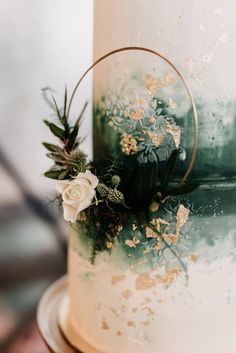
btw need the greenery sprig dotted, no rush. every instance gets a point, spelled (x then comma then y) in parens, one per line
(68, 159)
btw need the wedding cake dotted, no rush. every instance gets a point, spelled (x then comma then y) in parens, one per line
(152, 253)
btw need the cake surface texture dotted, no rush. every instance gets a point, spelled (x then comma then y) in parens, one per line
(159, 274)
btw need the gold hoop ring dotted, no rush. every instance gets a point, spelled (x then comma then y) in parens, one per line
(188, 90)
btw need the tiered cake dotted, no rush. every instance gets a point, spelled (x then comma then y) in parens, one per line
(166, 285)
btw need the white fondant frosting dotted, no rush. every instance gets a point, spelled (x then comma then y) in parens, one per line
(118, 310)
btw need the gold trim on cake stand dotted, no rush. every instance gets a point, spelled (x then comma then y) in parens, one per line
(52, 321)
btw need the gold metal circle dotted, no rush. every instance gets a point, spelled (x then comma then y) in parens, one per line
(188, 90)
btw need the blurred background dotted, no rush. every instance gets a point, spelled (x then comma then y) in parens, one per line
(42, 44)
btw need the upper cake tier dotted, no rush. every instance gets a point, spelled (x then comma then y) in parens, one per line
(136, 92)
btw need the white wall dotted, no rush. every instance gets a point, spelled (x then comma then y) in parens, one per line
(42, 43)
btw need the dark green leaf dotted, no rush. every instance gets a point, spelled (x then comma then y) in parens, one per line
(53, 174)
(52, 148)
(81, 115)
(73, 136)
(57, 131)
(169, 169)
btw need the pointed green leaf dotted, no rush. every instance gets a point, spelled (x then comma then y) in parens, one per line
(81, 115)
(52, 174)
(73, 136)
(52, 148)
(168, 172)
(57, 131)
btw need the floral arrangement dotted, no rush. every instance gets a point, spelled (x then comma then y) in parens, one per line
(119, 195)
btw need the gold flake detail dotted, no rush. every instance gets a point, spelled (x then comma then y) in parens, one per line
(130, 323)
(119, 333)
(132, 243)
(175, 132)
(150, 312)
(128, 144)
(156, 139)
(193, 258)
(181, 218)
(127, 294)
(169, 277)
(109, 245)
(157, 222)
(116, 279)
(104, 324)
(144, 281)
(154, 84)
(137, 114)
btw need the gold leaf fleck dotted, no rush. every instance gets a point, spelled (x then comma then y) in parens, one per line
(137, 114)
(151, 84)
(150, 312)
(119, 333)
(169, 277)
(181, 218)
(156, 139)
(175, 132)
(193, 258)
(132, 243)
(131, 323)
(127, 294)
(116, 279)
(109, 245)
(144, 281)
(104, 324)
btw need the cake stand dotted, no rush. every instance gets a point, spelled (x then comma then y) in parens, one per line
(47, 318)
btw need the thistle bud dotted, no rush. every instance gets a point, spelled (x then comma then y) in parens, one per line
(115, 196)
(115, 180)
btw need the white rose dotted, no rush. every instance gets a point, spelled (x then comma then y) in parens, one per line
(77, 194)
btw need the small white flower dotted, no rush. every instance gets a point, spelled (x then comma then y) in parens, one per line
(77, 194)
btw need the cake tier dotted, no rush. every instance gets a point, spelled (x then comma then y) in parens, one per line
(196, 36)
(161, 300)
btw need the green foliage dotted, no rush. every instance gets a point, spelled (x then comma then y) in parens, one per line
(68, 159)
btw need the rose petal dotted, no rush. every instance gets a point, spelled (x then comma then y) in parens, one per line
(89, 176)
(61, 185)
(70, 213)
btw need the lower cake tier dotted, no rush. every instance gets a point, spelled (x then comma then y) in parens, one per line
(184, 303)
